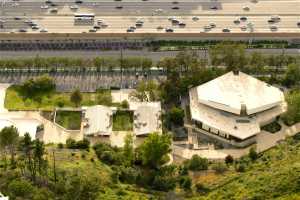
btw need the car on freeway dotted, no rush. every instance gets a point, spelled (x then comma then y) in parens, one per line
(119, 7)
(35, 27)
(246, 8)
(2, 21)
(212, 25)
(195, 18)
(129, 30)
(54, 10)
(175, 8)
(169, 30)
(78, 1)
(17, 18)
(175, 2)
(99, 21)
(237, 21)
(43, 30)
(44, 7)
(93, 30)
(275, 18)
(243, 28)
(104, 25)
(226, 30)
(138, 24)
(214, 7)
(243, 18)
(53, 4)
(182, 24)
(298, 24)
(48, 2)
(159, 28)
(96, 27)
(207, 28)
(271, 21)
(175, 21)
(273, 28)
(74, 7)
(22, 30)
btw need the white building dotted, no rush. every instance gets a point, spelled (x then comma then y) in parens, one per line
(98, 121)
(147, 117)
(233, 107)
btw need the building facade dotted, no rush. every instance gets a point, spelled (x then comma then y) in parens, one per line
(232, 108)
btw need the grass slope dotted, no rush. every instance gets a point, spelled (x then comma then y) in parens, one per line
(275, 175)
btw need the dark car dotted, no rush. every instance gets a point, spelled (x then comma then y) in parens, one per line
(78, 1)
(214, 8)
(22, 30)
(129, 30)
(175, 8)
(226, 30)
(119, 7)
(169, 30)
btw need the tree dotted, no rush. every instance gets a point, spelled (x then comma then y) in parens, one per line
(292, 75)
(128, 151)
(197, 163)
(185, 182)
(253, 154)
(146, 92)
(76, 97)
(176, 115)
(155, 149)
(232, 55)
(8, 141)
(292, 115)
(38, 152)
(229, 159)
(37, 86)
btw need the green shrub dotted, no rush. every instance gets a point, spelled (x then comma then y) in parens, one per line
(229, 159)
(219, 168)
(20, 188)
(197, 163)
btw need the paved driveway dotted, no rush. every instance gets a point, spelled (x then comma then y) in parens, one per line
(3, 87)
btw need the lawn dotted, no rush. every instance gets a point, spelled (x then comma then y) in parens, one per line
(15, 101)
(123, 121)
(70, 120)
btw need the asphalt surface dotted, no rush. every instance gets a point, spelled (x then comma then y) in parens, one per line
(155, 56)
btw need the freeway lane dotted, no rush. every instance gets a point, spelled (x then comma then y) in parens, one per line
(155, 56)
(139, 7)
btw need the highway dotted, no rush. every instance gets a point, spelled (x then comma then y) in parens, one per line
(155, 56)
(155, 15)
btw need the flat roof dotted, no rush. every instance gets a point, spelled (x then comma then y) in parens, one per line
(147, 117)
(99, 120)
(231, 92)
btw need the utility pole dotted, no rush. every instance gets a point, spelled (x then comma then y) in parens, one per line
(121, 66)
(54, 168)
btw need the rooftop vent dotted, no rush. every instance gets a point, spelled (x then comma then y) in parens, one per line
(243, 110)
(236, 72)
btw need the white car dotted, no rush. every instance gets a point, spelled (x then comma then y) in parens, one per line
(43, 30)
(44, 7)
(74, 7)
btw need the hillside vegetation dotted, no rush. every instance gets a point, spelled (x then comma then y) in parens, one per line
(275, 175)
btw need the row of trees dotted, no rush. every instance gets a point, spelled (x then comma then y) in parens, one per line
(66, 62)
